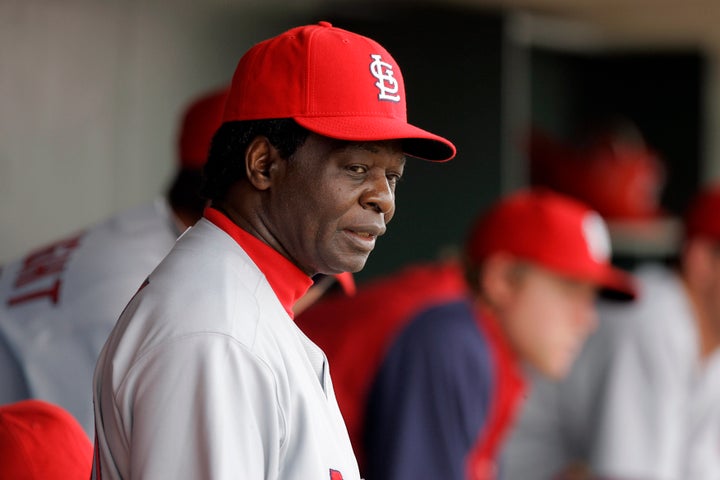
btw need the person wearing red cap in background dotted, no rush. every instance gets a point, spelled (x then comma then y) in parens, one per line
(42, 441)
(58, 303)
(643, 398)
(611, 168)
(206, 374)
(441, 379)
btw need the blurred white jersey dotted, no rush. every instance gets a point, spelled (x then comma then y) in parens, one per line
(638, 404)
(59, 303)
(206, 376)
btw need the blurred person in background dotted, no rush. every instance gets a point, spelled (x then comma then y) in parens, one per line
(429, 361)
(610, 167)
(58, 303)
(643, 399)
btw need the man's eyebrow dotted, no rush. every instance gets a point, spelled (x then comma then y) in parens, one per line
(369, 146)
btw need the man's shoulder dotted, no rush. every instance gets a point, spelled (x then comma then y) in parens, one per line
(105, 261)
(205, 255)
(205, 285)
(447, 329)
(448, 318)
(137, 224)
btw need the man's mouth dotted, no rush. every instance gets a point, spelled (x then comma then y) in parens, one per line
(363, 239)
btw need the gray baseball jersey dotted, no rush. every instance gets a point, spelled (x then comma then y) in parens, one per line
(59, 303)
(206, 375)
(638, 403)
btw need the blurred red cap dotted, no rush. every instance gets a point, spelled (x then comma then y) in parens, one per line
(619, 177)
(553, 231)
(39, 440)
(200, 121)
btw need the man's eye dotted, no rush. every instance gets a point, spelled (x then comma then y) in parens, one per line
(357, 168)
(394, 179)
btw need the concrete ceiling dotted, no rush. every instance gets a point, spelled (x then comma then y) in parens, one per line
(666, 22)
(654, 22)
(647, 22)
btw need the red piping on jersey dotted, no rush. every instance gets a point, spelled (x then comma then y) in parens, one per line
(96, 459)
(287, 281)
(508, 392)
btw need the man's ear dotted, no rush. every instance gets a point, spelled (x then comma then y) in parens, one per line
(698, 262)
(261, 160)
(497, 279)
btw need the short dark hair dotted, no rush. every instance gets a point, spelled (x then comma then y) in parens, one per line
(226, 164)
(184, 191)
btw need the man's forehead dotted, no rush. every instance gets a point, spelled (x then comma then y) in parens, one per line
(523, 266)
(374, 147)
(377, 147)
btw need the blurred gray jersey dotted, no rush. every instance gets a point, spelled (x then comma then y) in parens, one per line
(59, 303)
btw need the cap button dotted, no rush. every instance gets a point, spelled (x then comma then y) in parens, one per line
(325, 24)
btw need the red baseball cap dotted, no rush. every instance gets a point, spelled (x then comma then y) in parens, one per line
(702, 218)
(39, 440)
(201, 120)
(334, 83)
(554, 231)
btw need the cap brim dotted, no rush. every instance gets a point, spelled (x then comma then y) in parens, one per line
(617, 285)
(612, 282)
(416, 141)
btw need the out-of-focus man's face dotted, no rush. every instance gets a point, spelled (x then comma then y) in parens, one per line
(701, 272)
(332, 200)
(714, 286)
(548, 317)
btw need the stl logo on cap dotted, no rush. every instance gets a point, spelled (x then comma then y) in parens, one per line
(386, 82)
(596, 236)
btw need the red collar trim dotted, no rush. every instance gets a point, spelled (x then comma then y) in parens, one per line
(505, 357)
(287, 281)
(509, 391)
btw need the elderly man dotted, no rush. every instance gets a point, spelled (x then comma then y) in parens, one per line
(205, 374)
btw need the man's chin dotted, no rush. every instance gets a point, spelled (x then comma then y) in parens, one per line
(352, 264)
(554, 371)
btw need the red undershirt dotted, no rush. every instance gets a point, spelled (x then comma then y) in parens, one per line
(287, 281)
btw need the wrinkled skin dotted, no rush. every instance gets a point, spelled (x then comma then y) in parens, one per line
(325, 206)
